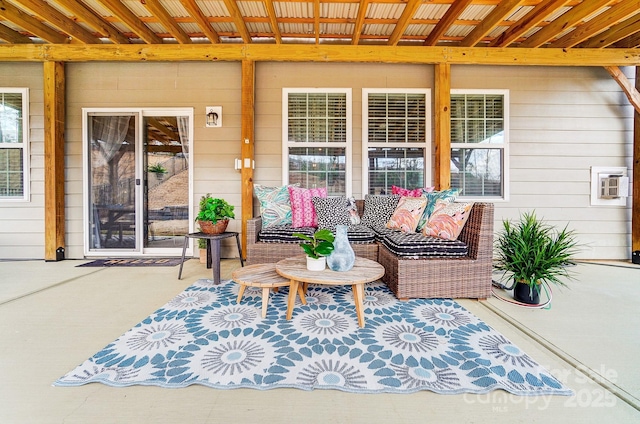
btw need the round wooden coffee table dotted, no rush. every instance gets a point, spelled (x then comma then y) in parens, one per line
(363, 271)
(263, 276)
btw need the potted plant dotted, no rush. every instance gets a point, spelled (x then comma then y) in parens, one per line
(532, 252)
(214, 214)
(157, 169)
(317, 248)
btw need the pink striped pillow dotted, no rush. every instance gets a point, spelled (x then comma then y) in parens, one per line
(303, 213)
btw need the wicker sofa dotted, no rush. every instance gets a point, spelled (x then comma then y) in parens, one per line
(467, 276)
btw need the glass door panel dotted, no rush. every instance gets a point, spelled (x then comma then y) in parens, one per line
(112, 181)
(166, 193)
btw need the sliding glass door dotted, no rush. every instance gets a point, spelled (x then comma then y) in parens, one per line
(137, 181)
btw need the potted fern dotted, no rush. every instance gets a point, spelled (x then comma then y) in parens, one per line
(214, 214)
(531, 252)
(317, 247)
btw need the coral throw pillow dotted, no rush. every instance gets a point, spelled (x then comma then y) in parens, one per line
(407, 214)
(447, 220)
(303, 213)
(416, 192)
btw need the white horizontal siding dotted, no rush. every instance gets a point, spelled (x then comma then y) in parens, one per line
(22, 223)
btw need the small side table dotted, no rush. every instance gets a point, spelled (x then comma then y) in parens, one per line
(213, 250)
(265, 277)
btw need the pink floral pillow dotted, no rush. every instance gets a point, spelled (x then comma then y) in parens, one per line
(417, 192)
(447, 220)
(303, 213)
(407, 214)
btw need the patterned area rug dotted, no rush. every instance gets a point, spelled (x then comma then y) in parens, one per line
(203, 337)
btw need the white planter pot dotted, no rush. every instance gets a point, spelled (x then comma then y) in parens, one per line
(316, 264)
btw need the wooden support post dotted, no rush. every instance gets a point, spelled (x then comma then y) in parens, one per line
(442, 124)
(54, 120)
(635, 205)
(247, 150)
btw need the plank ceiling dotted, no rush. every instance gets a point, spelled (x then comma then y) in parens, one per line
(466, 23)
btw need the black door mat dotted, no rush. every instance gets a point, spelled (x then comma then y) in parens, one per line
(133, 262)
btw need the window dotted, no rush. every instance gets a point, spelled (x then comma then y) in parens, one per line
(14, 143)
(479, 142)
(396, 135)
(317, 139)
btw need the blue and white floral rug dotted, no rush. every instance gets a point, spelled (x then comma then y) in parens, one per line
(203, 337)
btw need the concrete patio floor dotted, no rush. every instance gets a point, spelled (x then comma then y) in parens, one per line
(53, 316)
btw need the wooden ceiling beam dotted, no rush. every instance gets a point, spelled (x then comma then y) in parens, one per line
(357, 28)
(273, 20)
(448, 19)
(27, 22)
(11, 36)
(157, 10)
(496, 16)
(127, 17)
(56, 18)
(201, 20)
(319, 53)
(612, 35)
(235, 13)
(630, 42)
(567, 20)
(530, 20)
(614, 15)
(407, 14)
(94, 20)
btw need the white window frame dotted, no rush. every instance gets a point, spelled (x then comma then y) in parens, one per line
(427, 178)
(24, 145)
(504, 146)
(347, 145)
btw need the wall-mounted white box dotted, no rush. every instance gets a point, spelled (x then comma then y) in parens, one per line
(609, 186)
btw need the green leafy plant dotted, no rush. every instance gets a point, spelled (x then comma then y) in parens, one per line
(531, 252)
(214, 209)
(202, 244)
(157, 168)
(320, 244)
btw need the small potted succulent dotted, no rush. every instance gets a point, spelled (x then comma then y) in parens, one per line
(317, 247)
(531, 252)
(214, 214)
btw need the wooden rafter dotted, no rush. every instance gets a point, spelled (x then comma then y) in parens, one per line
(403, 22)
(94, 20)
(450, 16)
(357, 28)
(12, 14)
(127, 17)
(235, 13)
(530, 20)
(612, 35)
(59, 20)
(632, 41)
(156, 8)
(567, 20)
(201, 20)
(496, 16)
(168, 134)
(614, 15)
(273, 20)
(12, 36)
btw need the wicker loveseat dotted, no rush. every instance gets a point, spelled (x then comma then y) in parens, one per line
(466, 276)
